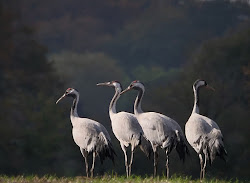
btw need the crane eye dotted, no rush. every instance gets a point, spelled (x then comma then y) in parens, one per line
(68, 90)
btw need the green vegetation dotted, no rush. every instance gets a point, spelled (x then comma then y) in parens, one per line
(108, 179)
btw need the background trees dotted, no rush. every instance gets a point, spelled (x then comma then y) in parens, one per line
(48, 46)
(31, 126)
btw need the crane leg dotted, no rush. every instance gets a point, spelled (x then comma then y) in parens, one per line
(85, 155)
(155, 160)
(93, 165)
(201, 162)
(86, 166)
(167, 165)
(131, 159)
(204, 166)
(126, 159)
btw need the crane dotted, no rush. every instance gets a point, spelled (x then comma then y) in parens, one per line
(202, 133)
(125, 127)
(159, 129)
(91, 136)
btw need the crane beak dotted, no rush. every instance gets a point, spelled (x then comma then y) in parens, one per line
(210, 87)
(103, 84)
(124, 91)
(60, 98)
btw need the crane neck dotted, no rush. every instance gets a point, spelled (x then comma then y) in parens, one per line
(137, 105)
(112, 105)
(196, 100)
(73, 112)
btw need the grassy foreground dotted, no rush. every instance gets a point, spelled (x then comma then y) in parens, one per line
(106, 178)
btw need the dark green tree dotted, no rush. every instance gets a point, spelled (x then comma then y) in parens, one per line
(224, 64)
(32, 128)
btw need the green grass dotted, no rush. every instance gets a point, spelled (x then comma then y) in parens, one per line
(106, 178)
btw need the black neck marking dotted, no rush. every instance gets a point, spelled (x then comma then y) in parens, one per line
(74, 105)
(137, 105)
(198, 96)
(114, 99)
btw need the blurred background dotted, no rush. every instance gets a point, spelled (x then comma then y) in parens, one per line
(50, 45)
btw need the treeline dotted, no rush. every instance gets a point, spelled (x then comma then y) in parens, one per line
(167, 46)
(32, 128)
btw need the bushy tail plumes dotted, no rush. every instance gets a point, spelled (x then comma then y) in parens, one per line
(181, 146)
(105, 148)
(182, 150)
(106, 151)
(146, 147)
(216, 145)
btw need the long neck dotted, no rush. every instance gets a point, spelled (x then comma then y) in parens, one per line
(112, 105)
(137, 105)
(196, 100)
(73, 112)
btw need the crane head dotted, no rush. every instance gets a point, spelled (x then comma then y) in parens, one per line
(136, 85)
(200, 83)
(69, 92)
(115, 84)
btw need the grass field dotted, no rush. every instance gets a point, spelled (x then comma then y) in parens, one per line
(107, 178)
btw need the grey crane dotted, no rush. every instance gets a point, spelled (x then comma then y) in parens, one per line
(91, 136)
(159, 129)
(203, 134)
(125, 126)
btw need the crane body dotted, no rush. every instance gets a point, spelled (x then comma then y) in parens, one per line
(159, 129)
(203, 134)
(125, 126)
(91, 136)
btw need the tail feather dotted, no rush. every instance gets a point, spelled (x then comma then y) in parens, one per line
(181, 146)
(216, 145)
(217, 149)
(146, 147)
(106, 150)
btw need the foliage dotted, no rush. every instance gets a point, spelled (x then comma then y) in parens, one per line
(31, 126)
(167, 32)
(110, 179)
(87, 70)
(224, 64)
(165, 44)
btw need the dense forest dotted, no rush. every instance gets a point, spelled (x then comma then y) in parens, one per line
(48, 46)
